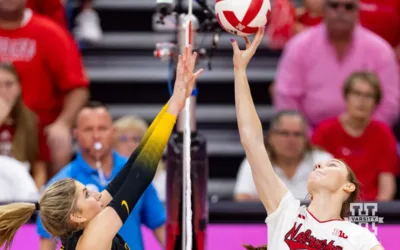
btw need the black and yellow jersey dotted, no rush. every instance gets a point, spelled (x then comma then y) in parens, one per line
(70, 243)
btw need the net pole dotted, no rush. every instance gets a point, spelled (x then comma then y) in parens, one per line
(187, 185)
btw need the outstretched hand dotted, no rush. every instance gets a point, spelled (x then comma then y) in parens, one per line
(241, 58)
(185, 78)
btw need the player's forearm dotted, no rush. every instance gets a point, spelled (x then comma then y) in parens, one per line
(73, 102)
(143, 169)
(119, 180)
(250, 128)
(153, 125)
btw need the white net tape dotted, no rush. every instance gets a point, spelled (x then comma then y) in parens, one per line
(187, 185)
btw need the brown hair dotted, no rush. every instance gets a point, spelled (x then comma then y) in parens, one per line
(274, 122)
(351, 177)
(25, 144)
(56, 205)
(368, 77)
(250, 247)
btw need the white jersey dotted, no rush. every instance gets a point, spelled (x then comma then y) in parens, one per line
(292, 227)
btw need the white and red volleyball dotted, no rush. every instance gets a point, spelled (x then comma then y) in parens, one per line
(242, 17)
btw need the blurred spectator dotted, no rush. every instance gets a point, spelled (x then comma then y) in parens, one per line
(291, 153)
(16, 184)
(285, 20)
(54, 9)
(316, 62)
(54, 84)
(281, 23)
(367, 146)
(87, 21)
(309, 15)
(20, 136)
(129, 132)
(381, 17)
(93, 126)
(88, 28)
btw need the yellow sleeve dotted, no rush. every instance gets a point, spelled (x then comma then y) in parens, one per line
(153, 125)
(148, 154)
(152, 151)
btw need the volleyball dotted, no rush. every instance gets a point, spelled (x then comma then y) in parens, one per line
(242, 17)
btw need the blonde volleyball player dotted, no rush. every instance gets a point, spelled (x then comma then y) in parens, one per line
(332, 185)
(86, 220)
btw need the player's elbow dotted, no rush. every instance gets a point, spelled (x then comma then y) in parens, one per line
(250, 138)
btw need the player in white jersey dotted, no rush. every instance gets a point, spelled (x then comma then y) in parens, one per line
(332, 185)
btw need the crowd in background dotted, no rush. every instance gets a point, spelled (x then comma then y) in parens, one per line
(337, 93)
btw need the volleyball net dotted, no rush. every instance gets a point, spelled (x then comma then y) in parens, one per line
(187, 162)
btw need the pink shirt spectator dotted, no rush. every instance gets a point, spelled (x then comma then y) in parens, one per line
(310, 76)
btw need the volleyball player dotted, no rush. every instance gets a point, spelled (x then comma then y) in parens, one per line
(332, 185)
(88, 220)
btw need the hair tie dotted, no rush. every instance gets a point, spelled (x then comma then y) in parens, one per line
(37, 206)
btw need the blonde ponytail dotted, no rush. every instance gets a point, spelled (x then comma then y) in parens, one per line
(12, 217)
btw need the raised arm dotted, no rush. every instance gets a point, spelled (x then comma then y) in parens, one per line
(118, 181)
(269, 187)
(102, 229)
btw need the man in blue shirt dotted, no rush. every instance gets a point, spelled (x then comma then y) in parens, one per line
(95, 166)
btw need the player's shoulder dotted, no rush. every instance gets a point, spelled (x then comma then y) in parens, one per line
(289, 207)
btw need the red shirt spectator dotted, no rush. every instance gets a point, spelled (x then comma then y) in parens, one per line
(53, 9)
(368, 155)
(48, 62)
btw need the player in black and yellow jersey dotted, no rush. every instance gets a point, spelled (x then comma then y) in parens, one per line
(87, 220)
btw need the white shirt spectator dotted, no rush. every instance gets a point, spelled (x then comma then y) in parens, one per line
(297, 184)
(16, 184)
(292, 227)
